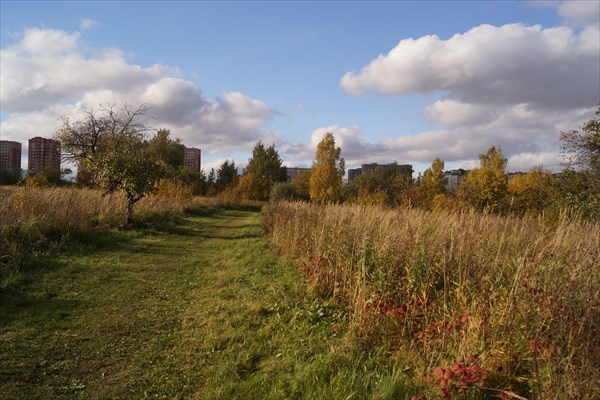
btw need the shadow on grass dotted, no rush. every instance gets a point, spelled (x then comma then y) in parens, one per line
(41, 260)
(19, 305)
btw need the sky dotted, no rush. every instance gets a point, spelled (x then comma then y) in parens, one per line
(393, 81)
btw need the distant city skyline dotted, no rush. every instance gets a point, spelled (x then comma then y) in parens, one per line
(394, 81)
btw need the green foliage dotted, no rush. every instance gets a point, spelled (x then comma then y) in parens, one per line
(197, 181)
(486, 187)
(327, 172)
(301, 184)
(383, 186)
(124, 166)
(169, 152)
(580, 182)
(227, 175)
(46, 176)
(282, 191)
(211, 179)
(111, 147)
(582, 150)
(577, 191)
(266, 169)
(10, 176)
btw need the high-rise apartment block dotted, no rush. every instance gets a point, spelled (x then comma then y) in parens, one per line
(43, 153)
(10, 154)
(191, 158)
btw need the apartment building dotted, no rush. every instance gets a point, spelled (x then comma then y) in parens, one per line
(191, 158)
(454, 177)
(43, 153)
(10, 154)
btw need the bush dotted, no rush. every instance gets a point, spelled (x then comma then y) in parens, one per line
(282, 191)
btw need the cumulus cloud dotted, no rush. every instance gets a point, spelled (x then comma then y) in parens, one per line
(526, 141)
(516, 86)
(51, 72)
(488, 65)
(580, 12)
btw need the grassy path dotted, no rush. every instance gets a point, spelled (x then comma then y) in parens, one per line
(202, 309)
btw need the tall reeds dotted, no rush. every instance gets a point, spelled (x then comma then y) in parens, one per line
(466, 301)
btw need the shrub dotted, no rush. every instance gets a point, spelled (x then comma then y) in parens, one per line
(282, 191)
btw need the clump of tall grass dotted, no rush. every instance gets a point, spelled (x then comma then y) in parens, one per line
(471, 303)
(31, 216)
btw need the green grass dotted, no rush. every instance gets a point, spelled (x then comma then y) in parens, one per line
(200, 308)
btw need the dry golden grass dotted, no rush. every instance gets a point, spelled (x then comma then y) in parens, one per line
(30, 216)
(435, 288)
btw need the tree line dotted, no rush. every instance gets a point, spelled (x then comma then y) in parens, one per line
(114, 150)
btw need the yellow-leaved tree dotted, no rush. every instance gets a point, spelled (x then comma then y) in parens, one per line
(327, 172)
(531, 192)
(486, 187)
(433, 183)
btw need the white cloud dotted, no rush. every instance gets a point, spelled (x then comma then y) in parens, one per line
(88, 23)
(51, 72)
(494, 66)
(515, 86)
(580, 12)
(525, 140)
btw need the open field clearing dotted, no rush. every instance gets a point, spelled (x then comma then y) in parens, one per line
(197, 308)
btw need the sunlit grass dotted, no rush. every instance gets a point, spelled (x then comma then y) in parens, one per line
(435, 289)
(197, 309)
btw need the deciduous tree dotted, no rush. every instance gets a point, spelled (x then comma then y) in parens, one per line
(433, 182)
(382, 186)
(581, 150)
(580, 182)
(169, 152)
(486, 187)
(533, 191)
(301, 184)
(327, 171)
(110, 143)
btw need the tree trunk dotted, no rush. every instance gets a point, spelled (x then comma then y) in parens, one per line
(129, 213)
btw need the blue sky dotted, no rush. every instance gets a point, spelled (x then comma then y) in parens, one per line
(394, 81)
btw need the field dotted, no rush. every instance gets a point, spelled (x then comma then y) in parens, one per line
(472, 304)
(193, 306)
(215, 300)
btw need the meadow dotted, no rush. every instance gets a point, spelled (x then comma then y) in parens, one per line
(35, 219)
(468, 303)
(371, 303)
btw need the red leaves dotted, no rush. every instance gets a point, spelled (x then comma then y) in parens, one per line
(535, 345)
(388, 307)
(460, 376)
(442, 327)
